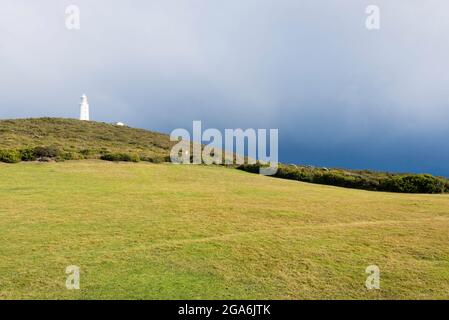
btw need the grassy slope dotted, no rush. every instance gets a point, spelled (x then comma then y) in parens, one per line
(165, 231)
(86, 139)
(75, 135)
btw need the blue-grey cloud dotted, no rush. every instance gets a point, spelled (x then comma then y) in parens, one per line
(341, 95)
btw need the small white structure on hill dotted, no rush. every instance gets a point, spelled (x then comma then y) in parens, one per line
(120, 124)
(84, 108)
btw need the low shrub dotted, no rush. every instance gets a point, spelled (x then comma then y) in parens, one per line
(89, 153)
(128, 157)
(446, 186)
(156, 159)
(47, 152)
(10, 156)
(366, 180)
(419, 183)
(70, 155)
(27, 154)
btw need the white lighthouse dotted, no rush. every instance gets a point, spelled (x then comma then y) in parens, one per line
(84, 108)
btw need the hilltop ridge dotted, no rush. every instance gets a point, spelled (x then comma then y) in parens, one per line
(48, 139)
(88, 138)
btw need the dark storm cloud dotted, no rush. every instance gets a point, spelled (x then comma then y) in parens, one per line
(340, 95)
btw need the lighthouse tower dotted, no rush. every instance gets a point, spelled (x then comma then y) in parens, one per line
(84, 108)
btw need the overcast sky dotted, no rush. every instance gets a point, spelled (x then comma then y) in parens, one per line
(341, 95)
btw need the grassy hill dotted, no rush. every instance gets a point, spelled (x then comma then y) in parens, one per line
(161, 231)
(86, 139)
(70, 139)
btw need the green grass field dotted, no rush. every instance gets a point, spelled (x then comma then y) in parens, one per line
(161, 231)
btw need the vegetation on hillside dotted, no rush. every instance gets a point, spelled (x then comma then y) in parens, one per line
(71, 139)
(47, 139)
(360, 179)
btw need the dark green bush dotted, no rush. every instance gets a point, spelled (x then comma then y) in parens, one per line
(70, 155)
(361, 179)
(10, 156)
(419, 183)
(47, 152)
(27, 154)
(156, 159)
(89, 154)
(145, 158)
(446, 186)
(128, 157)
